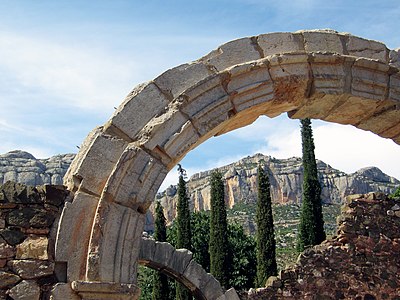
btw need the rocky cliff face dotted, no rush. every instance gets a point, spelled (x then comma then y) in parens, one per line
(23, 167)
(286, 177)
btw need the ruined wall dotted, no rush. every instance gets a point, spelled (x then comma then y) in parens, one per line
(361, 262)
(27, 237)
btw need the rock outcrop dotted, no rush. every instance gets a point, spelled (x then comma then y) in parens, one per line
(23, 167)
(286, 176)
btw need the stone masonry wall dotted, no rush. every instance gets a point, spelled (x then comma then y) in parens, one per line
(27, 237)
(362, 262)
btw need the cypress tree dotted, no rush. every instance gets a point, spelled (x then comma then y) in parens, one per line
(219, 249)
(184, 234)
(265, 238)
(311, 228)
(160, 281)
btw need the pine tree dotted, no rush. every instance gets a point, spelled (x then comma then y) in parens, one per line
(266, 261)
(219, 249)
(311, 228)
(160, 281)
(184, 235)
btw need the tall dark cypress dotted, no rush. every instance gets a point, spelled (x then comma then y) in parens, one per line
(311, 228)
(160, 281)
(219, 249)
(184, 234)
(266, 260)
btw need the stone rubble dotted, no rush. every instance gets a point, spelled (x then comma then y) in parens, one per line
(361, 262)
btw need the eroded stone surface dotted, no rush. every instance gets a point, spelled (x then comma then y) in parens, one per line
(33, 247)
(25, 290)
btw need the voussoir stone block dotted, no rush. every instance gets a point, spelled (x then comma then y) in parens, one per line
(176, 80)
(195, 275)
(280, 42)
(369, 79)
(113, 257)
(147, 249)
(180, 260)
(330, 73)
(135, 179)
(232, 53)
(212, 288)
(322, 41)
(94, 163)
(163, 254)
(360, 47)
(74, 233)
(138, 108)
(394, 88)
(250, 84)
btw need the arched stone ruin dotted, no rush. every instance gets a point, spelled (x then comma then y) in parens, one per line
(323, 75)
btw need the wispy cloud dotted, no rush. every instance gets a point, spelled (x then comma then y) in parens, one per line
(82, 76)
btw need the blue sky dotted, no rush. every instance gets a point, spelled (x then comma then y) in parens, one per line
(65, 65)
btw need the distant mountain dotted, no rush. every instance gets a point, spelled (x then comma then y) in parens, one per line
(286, 177)
(23, 167)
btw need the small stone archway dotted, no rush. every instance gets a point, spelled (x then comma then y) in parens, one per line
(323, 75)
(180, 265)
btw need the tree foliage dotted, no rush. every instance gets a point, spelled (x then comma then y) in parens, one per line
(220, 254)
(243, 251)
(184, 234)
(160, 281)
(266, 260)
(311, 228)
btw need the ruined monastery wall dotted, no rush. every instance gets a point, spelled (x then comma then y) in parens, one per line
(28, 218)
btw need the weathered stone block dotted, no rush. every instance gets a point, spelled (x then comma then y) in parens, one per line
(106, 290)
(63, 291)
(135, 179)
(6, 250)
(232, 53)
(180, 142)
(212, 289)
(33, 247)
(280, 42)
(12, 236)
(25, 290)
(94, 162)
(394, 88)
(113, 257)
(195, 275)
(139, 107)
(180, 260)
(175, 81)
(74, 233)
(322, 41)
(369, 79)
(360, 47)
(8, 279)
(31, 269)
(147, 249)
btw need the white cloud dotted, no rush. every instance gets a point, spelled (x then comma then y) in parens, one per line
(349, 149)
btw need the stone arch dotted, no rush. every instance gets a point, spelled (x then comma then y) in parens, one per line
(324, 75)
(178, 264)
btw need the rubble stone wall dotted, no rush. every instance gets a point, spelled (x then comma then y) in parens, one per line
(362, 262)
(27, 236)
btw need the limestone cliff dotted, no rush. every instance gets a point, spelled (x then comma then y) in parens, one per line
(23, 167)
(240, 179)
(286, 177)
